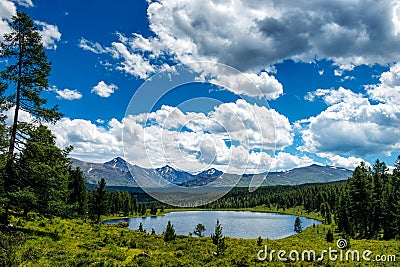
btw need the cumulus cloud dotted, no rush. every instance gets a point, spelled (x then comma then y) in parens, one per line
(67, 94)
(252, 35)
(231, 138)
(7, 10)
(344, 162)
(250, 84)
(388, 90)
(331, 96)
(104, 90)
(50, 34)
(234, 137)
(287, 161)
(90, 142)
(352, 124)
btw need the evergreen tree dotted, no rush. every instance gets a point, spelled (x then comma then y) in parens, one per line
(77, 191)
(218, 239)
(358, 189)
(135, 204)
(25, 76)
(28, 71)
(43, 172)
(153, 210)
(376, 199)
(329, 236)
(100, 198)
(259, 241)
(341, 216)
(143, 209)
(141, 227)
(199, 230)
(169, 234)
(297, 225)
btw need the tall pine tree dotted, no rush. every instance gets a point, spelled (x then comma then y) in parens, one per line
(358, 188)
(100, 203)
(26, 76)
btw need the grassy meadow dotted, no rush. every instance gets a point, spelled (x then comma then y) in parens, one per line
(79, 242)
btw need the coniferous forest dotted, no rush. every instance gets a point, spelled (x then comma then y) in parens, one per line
(44, 201)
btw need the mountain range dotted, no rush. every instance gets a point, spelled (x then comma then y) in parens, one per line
(118, 172)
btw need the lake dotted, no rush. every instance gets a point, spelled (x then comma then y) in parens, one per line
(239, 224)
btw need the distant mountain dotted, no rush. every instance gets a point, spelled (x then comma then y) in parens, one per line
(118, 172)
(174, 176)
(210, 173)
(310, 174)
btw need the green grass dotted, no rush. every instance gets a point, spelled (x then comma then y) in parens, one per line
(77, 242)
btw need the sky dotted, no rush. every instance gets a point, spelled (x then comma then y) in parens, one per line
(277, 84)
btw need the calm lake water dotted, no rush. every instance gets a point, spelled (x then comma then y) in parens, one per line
(239, 224)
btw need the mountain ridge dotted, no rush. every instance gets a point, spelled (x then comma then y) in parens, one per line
(119, 172)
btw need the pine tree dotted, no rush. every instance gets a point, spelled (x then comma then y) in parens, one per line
(43, 171)
(259, 241)
(77, 191)
(329, 236)
(341, 216)
(218, 239)
(199, 230)
(153, 210)
(26, 76)
(169, 234)
(100, 200)
(297, 225)
(376, 200)
(141, 227)
(358, 190)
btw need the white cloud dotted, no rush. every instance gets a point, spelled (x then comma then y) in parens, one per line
(156, 139)
(91, 142)
(235, 137)
(104, 90)
(287, 161)
(24, 3)
(67, 94)
(388, 91)
(251, 84)
(7, 10)
(251, 36)
(23, 116)
(352, 125)
(344, 162)
(331, 96)
(50, 34)
(90, 46)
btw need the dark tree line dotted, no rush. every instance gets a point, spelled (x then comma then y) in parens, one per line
(366, 206)
(312, 197)
(369, 207)
(107, 202)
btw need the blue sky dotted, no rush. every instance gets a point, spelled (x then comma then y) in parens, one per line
(328, 71)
